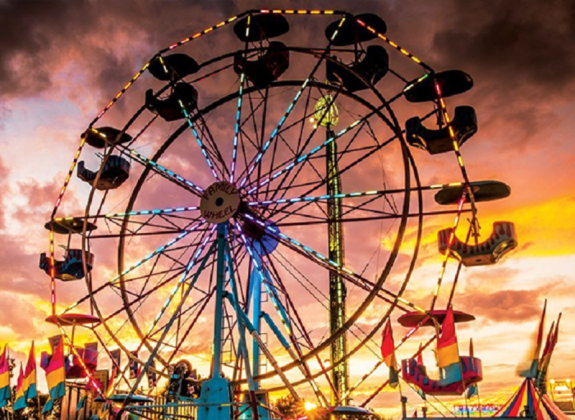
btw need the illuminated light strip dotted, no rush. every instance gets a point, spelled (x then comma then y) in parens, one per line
(202, 33)
(120, 93)
(148, 212)
(52, 274)
(165, 171)
(304, 157)
(340, 268)
(422, 78)
(299, 12)
(142, 261)
(237, 127)
(394, 45)
(317, 198)
(132, 213)
(54, 211)
(239, 112)
(447, 252)
(199, 140)
(468, 190)
(288, 111)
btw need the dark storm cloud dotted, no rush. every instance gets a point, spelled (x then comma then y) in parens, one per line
(520, 54)
(39, 39)
(520, 43)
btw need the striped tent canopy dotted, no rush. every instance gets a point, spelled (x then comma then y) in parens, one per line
(540, 406)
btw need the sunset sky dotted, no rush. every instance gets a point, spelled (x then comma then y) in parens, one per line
(62, 61)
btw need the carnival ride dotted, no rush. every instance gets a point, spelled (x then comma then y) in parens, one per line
(239, 202)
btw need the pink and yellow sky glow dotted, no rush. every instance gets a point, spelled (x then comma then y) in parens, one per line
(62, 61)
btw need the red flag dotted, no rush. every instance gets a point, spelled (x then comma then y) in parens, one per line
(388, 354)
(539, 341)
(447, 350)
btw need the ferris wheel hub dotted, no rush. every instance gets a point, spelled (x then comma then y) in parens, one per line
(220, 202)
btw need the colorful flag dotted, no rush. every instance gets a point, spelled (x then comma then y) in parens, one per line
(55, 377)
(20, 401)
(472, 391)
(4, 379)
(388, 354)
(135, 368)
(531, 372)
(30, 375)
(448, 351)
(550, 344)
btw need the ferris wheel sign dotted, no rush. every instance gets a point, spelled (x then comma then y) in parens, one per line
(219, 202)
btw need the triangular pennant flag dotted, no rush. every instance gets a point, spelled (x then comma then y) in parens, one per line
(531, 371)
(30, 375)
(448, 351)
(4, 378)
(388, 354)
(55, 377)
(20, 400)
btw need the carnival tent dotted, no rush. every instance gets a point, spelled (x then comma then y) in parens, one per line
(527, 401)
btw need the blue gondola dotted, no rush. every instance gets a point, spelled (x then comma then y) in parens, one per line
(116, 171)
(72, 268)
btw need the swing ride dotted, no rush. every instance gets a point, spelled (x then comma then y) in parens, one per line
(260, 215)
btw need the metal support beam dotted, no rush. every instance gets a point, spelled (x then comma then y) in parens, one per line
(220, 283)
(337, 288)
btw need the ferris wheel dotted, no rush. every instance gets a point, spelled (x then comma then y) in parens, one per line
(257, 217)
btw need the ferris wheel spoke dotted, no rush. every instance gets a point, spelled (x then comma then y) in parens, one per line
(164, 172)
(289, 109)
(345, 169)
(163, 211)
(326, 197)
(183, 313)
(232, 170)
(194, 259)
(201, 144)
(301, 146)
(304, 157)
(156, 252)
(370, 218)
(329, 264)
